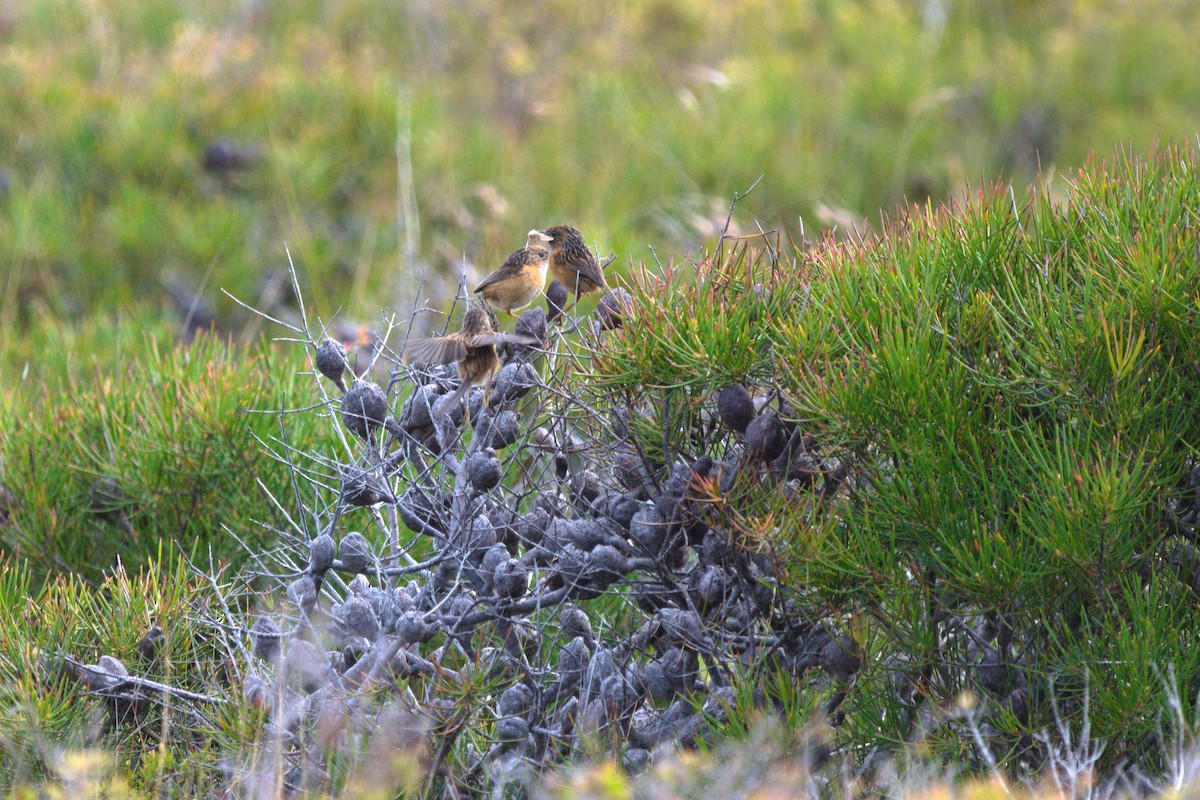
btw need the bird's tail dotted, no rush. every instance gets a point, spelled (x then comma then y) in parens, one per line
(464, 387)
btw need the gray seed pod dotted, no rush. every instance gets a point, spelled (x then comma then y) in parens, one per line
(630, 470)
(338, 664)
(483, 470)
(721, 700)
(840, 658)
(471, 540)
(583, 533)
(515, 701)
(353, 648)
(569, 565)
(716, 551)
(444, 408)
(417, 413)
(644, 728)
(363, 489)
(303, 592)
(1017, 703)
(710, 588)
(586, 486)
(531, 527)
(513, 382)
(521, 638)
(355, 552)
(406, 597)
(511, 579)
(541, 555)
(612, 308)
(621, 508)
(727, 472)
(380, 601)
(97, 679)
(617, 694)
(493, 557)
(331, 361)
(608, 565)
(572, 661)
(572, 621)
(459, 606)
(364, 409)
(320, 554)
(256, 692)
(636, 760)
(651, 532)
(735, 407)
(564, 717)
(557, 298)
(512, 730)
(601, 666)
(796, 466)
(477, 411)
(266, 637)
(681, 626)
(593, 717)
(651, 596)
(150, 643)
(677, 712)
(505, 430)
(305, 667)
(113, 667)
(412, 628)
(657, 685)
(993, 672)
(357, 617)
(420, 512)
(765, 437)
(680, 667)
(531, 323)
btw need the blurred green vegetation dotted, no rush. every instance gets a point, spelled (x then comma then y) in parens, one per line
(477, 121)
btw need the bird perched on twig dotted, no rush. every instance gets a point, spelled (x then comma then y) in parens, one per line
(572, 263)
(520, 277)
(473, 349)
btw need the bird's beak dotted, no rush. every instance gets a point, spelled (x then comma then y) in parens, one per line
(545, 237)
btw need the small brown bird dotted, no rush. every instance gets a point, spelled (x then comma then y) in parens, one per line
(573, 263)
(520, 277)
(473, 349)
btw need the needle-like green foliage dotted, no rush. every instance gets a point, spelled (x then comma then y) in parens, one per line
(1006, 391)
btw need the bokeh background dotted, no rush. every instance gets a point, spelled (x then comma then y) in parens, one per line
(154, 153)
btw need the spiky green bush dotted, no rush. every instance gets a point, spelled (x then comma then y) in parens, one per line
(158, 445)
(1002, 396)
(50, 629)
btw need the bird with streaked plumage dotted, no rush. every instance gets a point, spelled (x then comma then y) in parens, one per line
(572, 263)
(473, 350)
(520, 278)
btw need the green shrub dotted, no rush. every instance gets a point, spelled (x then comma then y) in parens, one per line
(157, 446)
(1001, 400)
(49, 715)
